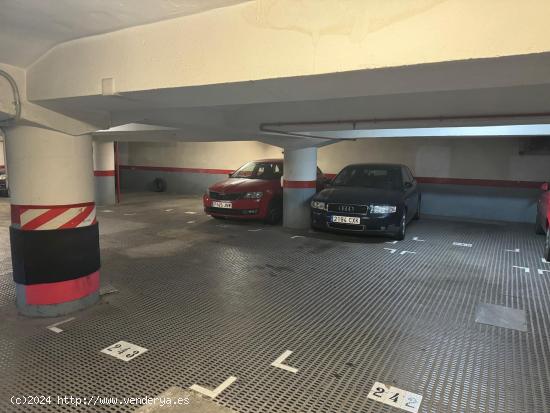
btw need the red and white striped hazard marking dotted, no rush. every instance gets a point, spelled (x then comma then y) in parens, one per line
(54, 217)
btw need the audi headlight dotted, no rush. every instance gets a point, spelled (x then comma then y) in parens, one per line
(253, 195)
(383, 209)
(318, 205)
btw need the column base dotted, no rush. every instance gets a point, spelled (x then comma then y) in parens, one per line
(59, 298)
(296, 210)
(52, 310)
(105, 189)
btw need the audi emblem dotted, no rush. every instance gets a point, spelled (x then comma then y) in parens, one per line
(345, 208)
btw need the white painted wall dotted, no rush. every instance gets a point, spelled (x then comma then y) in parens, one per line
(475, 158)
(209, 155)
(469, 158)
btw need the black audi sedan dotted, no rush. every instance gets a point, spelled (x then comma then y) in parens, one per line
(368, 198)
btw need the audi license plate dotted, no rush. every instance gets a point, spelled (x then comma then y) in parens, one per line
(218, 204)
(346, 220)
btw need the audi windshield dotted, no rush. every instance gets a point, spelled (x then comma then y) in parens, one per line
(367, 176)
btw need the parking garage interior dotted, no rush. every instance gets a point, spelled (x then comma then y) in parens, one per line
(121, 290)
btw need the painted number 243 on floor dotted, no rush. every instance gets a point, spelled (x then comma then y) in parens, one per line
(395, 397)
(123, 350)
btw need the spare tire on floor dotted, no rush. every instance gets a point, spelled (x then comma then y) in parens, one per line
(159, 185)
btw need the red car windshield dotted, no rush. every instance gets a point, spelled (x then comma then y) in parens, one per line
(259, 170)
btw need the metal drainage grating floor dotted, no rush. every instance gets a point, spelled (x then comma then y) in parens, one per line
(212, 299)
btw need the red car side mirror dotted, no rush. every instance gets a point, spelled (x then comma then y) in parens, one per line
(544, 186)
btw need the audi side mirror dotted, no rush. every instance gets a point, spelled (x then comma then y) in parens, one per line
(544, 186)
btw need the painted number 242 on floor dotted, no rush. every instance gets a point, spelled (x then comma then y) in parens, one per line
(395, 397)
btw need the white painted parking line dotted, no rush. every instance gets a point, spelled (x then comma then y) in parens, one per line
(391, 242)
(407, 252)
(297, 236)
(516, 250)
(418, 239)
(191, 222)
(525, 269)
(56, 329)
(254, 230)
(106, 210)
(391, 250)
(541, 272)
(216, 392)
(124, 351)
(279, 362)
(462, 244)
(190, 212)
(107, 289)
(544, 261)
(169, 210)
(395, 397)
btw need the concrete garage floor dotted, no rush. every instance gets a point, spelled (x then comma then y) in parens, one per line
(211, 299)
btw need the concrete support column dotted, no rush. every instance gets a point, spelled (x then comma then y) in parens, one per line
(299, 185)
(54, 233)
(104, 173)
(2, 155)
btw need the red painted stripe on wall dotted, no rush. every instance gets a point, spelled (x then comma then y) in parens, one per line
(479, 182)
(104, 173)
(174, 169)
(63, 291)
(299, 184)
(423, 180)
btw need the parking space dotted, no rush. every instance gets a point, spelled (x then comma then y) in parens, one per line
(274, 206)
(271, 319)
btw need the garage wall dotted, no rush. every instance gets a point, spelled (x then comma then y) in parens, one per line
(467, 158)
(483, 178)
(463, 177)
(186, 167)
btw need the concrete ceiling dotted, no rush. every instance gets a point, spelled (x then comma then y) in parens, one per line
(509, 90)
(29, 28)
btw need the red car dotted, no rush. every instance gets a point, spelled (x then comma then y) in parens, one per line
(543, 218)
(253, 191)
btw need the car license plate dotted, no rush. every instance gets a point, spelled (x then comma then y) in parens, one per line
(218, 204)
(346, 220)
